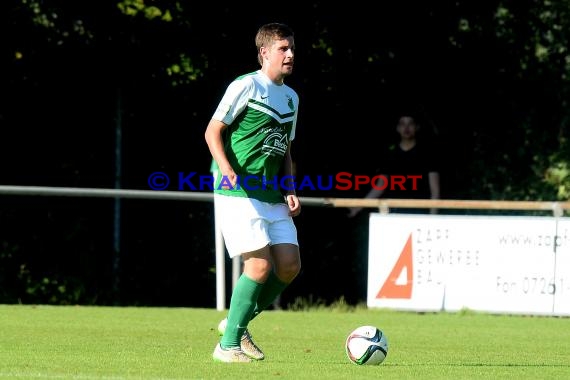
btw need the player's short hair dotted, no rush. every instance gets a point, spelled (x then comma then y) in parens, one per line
(267, 33)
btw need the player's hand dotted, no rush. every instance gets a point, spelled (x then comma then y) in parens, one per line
(294, 204)
(229, 180)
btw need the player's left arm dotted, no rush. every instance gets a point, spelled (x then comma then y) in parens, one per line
(290, 195)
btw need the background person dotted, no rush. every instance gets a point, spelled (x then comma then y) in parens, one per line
(409, 157)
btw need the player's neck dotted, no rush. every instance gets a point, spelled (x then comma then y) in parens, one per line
(276, 78)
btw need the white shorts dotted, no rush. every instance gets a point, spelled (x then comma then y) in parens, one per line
(248, 224)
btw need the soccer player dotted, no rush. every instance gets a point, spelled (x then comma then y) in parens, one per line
(249, 137)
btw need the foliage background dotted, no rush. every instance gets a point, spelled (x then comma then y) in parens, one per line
(490, 78)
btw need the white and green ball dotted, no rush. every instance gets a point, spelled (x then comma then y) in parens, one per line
(367, 345)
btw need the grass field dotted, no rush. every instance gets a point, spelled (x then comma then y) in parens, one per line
(77, 342)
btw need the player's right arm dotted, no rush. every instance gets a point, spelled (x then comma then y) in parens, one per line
(214, 139)
(233, 102)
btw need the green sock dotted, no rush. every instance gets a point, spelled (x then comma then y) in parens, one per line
(242, 304)
(271, 289)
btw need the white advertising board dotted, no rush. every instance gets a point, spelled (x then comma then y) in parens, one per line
(498, 264)
(562, 274)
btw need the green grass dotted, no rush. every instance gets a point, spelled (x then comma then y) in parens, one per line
(77, 342)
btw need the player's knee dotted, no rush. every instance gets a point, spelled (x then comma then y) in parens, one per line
(258, 270)
(287, 273)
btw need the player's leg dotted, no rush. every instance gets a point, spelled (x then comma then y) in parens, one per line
(245, 234)
(284, 255)
(257, 266)
(286, 265)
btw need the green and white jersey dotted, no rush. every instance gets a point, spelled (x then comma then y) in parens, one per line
(261, 118)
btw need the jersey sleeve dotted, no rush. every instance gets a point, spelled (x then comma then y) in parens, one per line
(234, 101)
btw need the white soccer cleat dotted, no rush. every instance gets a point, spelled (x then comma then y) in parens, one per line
(233, 355)
(247, 345)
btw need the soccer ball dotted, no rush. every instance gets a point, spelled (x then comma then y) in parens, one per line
(366, 345)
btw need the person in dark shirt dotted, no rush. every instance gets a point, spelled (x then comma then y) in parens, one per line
(409, 159)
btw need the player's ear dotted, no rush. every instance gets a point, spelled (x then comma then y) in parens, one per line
(263, 51)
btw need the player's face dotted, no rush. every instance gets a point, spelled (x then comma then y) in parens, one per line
(278, 59)
(407, 127)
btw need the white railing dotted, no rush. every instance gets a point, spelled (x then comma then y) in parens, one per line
(152, 194)
(383, 205)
